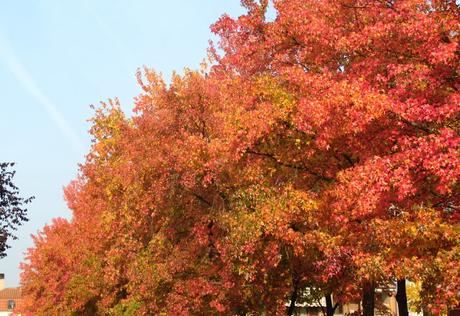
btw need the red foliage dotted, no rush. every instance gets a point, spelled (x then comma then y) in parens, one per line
(321, 152)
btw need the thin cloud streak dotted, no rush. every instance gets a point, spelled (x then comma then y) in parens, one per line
(9, 58)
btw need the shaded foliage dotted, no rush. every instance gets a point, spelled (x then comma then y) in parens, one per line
(12, 207)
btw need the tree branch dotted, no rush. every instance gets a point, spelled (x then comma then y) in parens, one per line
(288, 165)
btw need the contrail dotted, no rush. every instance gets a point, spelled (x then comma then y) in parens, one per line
(8, 56)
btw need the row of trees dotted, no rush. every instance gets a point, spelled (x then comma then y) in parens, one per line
(320, 151)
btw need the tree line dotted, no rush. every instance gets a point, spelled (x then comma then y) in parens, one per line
(316, 157)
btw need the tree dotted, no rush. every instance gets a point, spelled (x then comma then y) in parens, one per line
(381, 106)
(318, 157)
(12, 207)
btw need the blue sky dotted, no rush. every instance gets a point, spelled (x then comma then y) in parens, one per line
(59, 56)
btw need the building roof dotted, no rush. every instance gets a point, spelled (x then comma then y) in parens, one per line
(10, 293)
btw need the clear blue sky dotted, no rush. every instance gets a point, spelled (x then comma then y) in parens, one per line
(59, 56)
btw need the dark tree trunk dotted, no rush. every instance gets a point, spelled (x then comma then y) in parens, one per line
(291, 307)
(330, 309)
(368, 298)
(401, 298)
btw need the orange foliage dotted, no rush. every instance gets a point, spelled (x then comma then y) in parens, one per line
(321, 151)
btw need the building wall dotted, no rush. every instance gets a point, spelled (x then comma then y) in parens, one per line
(4, 306)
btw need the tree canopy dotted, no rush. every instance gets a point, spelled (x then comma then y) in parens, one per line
(317, 156)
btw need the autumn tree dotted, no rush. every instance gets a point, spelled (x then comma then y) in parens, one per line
(376, 89)
(318, 157)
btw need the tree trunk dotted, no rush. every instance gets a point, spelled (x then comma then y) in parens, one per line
(401, 298)
(291, 307)
(330, 309)
(368, 298)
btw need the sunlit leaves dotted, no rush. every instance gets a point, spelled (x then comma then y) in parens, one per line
(319, 152)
